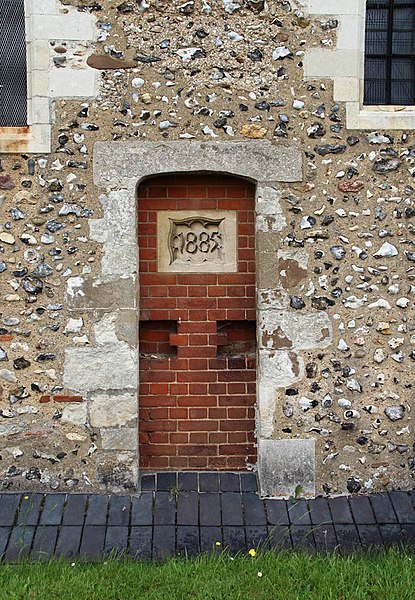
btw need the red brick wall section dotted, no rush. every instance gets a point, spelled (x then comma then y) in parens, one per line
(197, 337)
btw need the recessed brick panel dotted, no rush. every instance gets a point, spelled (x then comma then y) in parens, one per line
(197, 336)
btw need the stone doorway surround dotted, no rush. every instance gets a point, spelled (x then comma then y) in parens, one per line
(107, 372)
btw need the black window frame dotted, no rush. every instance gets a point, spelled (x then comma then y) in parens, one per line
(13, 64)
(387, 89)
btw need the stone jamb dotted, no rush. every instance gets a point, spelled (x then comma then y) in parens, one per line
(120, 167)
(45, 21)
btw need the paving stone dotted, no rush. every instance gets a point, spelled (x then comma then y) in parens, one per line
(119, 511)
(234, 539)
(298, 512)
(403, 506)
(142, 509)
(277, 512)
(257, 538)
(249, 482)
(4, 538)
(325, 538)
(166, 481)
(279, 537)
(44, 542)
(362, 510)
(383, 509)
(208, 538)
(229, 482)
(188, 508)
(116, 540)
(20, 542)
(75, 508)
(409, 533)
(188, 540)
(254, 509)
(29, 509)
(347, 537)
(302, 537)
(369, 536)
(92, 543)
(52, 509)
(164, 541)
(412, 496)
(208, 482)
(232, 514)
(140, 542)
(210, 509)
(97, 510)
(8, 508)
(392, 534)
(340, 510)
(69, 540)
(319, 511)
(148, 483)
(187, 482)
(164, 509)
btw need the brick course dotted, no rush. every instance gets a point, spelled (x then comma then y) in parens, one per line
(197, 337)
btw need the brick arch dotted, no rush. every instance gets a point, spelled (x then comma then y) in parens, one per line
(197, 333)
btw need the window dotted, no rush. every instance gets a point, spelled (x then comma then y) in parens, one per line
(13, 72)
(389, 53)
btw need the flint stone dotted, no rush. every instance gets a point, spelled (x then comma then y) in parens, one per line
(330, 149)
(384, 165)
(395, 413)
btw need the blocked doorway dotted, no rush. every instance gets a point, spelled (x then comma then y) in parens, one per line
(197, 327)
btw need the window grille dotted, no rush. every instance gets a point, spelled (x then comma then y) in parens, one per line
(13, 70)
(390, 52)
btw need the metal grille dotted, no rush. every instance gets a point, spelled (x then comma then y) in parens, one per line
(390, 52)
(13, 75)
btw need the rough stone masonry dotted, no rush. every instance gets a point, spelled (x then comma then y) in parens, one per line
(211, 86)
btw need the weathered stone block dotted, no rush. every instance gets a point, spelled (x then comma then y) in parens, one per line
(118, 471)
(75, 413)
(93, 293)
(124, 438)
(111, 410)
(284, 465)
(279, 367)
(109, 367)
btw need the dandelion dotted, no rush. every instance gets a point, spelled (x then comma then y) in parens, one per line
(217, 543)
(252, 552)
(25, 497)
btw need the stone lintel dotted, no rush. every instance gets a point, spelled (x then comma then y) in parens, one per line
(118, 163)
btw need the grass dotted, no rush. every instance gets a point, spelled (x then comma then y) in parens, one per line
(386, 575)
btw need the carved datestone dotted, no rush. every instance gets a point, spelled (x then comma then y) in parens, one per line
(196, 241)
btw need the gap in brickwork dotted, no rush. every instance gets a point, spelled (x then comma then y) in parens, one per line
(236, 338)
(155, 338)
(197, 405)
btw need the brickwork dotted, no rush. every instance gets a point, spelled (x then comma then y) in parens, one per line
(197, 337)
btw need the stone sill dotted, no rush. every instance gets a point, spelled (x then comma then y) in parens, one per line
(379, 117)
(29, 139)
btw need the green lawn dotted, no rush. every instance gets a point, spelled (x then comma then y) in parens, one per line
(389, 575)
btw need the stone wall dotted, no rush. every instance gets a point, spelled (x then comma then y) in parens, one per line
(209, 86)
